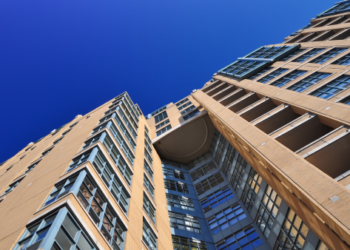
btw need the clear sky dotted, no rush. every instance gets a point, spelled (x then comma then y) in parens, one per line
(61, 58)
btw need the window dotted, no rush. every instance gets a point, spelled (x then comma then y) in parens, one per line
(118, 159)
(148, 236)
(219, 197)
(346, 100)
(293, 232)
(290, 56)
(214, 142)
(251, 189)
(66, 132)
(148, 157)
(60, 190)
(176, 186)
(182, 243)
(220, 150)
(328, 55)
(209, 183)
(149, 208)
(345, 60)
(225, 218)
(170, 164)
(198, 160)
(112, 181)
(245, 240)
(173, 173)
(146, 129)
(260, 73)
(272, 75)
(159, 110)
(147, 138)
(187, 110)
(160, 117)
(12, 186)
(130, 124)
(268, 211)
(228, 160)
(332, 88)
(184, 222)
(7, 169)
(339, 7)
(309, 81)
(31, 167)
(163, 130)
(180, 202)
(162, 124)
(57, 141)
(181, 102)
(148, 169)
(148, 185)
(203, 170)
(34, 234)
(191, 114)
(98, 208)
(46, 152)
(79, 160)
(185, 105)
(248, 65)
(307, 55)
(238, 172)
(149, 148)
(288, 78)
(71, 126)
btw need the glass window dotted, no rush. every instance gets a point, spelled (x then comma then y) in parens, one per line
(309, 81)
(184, 222)
(328, 55)
(181, 102)
(219, 197)
(228, 160)
(180, 202)
(176, 186)
(173, 173)
(268, 210)
(220, 150)
(238, 173)
(293, 232)
(290, 56)
(99, 209)
(148, 186)
(148, 236)
(203, 170)
(209, 183)
(62, 188)
(288, 78)
(200, 159)
(339, 7)
(191, 114)
(251, 189)
(31, 167)
(307, 55)
(260, 73)
(241, 67)
(149, 148)
(184, 106)
(160, 117)
(148, 169)
(346, 100)
(244, 239)
(12, 186)
(225, 218)
(187, 110)
(111, 180)
(149, 208)
(182, 243)
(332, 88)
(272, 75)
(163, 130)
(148, 157)
(34, 234)
(345, 60)
(268, 52)
(162, 124)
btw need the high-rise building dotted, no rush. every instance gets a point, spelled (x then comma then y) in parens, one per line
(256, 159)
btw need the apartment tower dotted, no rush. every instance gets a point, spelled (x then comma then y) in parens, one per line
(256, 159)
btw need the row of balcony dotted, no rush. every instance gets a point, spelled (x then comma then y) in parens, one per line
(320, 141)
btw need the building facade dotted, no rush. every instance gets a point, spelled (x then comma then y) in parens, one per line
(256, 159)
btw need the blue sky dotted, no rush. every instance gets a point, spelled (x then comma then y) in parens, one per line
(62, 58)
